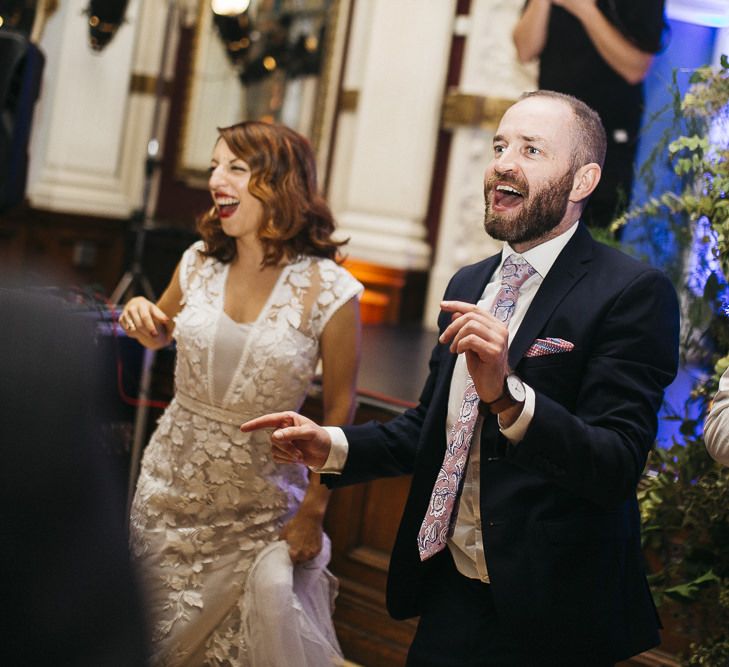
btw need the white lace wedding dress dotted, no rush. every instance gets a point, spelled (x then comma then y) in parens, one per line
(209, 498)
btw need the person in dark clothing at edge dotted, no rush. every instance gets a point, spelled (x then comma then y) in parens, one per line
(70, 594)
(600, 52)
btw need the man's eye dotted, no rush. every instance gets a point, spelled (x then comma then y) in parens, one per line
(533, 151)
(498, 149)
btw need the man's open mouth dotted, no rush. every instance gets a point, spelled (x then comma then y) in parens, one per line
(506, 196)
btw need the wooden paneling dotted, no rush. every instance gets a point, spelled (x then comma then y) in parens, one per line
(12, 240)
(362, 528)
(362, 521)
(655, 658)
(74, 249)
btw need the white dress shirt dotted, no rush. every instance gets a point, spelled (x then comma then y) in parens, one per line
(466, 544)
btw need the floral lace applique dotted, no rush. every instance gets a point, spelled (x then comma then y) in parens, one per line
(209, 498)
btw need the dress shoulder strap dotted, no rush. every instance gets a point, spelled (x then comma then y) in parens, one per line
(197, 270)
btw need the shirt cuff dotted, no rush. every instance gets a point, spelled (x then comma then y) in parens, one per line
(337, 454)
(516, 432)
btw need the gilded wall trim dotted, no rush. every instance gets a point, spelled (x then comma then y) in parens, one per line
(348, 100)
(146, 84)
(461, 109)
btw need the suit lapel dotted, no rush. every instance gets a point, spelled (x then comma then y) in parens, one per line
(472, 292)
(568, 269)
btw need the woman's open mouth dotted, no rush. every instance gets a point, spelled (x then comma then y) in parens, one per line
(226, 206)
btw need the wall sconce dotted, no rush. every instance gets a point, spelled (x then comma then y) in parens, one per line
(17, 15)
(105, 17)
(269, 41)
(229, 7)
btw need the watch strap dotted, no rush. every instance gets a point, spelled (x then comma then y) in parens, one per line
(503, 402)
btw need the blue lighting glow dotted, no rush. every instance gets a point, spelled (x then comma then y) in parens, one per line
(692, 45)
(709, 13)
(703, 261)
(711, 20)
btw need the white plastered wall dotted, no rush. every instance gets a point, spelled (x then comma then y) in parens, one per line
(491, 69)
(90, 133)
(380, 179)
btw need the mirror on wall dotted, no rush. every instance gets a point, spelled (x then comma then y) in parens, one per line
(279, 60)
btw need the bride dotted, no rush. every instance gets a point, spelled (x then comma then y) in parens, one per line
(252, 307)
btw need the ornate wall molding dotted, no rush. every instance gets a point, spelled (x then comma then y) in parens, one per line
(464, 109)
(94, 118)
(380, 183)
(491, 80)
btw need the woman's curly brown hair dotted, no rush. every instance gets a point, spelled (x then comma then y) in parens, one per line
(296, 219)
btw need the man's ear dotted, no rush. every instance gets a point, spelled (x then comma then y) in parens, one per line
(585, 181)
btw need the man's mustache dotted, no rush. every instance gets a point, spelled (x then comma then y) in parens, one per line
(516, 183)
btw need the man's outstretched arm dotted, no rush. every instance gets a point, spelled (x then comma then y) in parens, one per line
(295, 439)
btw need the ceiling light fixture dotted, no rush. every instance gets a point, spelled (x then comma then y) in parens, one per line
(230, 7)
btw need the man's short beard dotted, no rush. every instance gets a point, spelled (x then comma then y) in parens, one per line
(537, 218)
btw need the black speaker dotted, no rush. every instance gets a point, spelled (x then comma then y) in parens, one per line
(21, 68)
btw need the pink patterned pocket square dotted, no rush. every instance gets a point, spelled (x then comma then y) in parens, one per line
(544, 346)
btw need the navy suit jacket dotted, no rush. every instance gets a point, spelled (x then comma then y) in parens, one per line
(559, 512)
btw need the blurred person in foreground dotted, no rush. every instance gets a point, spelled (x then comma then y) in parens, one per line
(520, 539)
(252, 307)
(69, 594)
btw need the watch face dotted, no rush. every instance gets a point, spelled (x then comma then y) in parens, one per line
(516, 388)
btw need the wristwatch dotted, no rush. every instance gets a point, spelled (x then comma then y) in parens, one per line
(514, 393)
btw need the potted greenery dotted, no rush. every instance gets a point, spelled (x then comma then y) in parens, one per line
(684, 497)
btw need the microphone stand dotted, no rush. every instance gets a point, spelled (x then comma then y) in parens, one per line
(134, 277)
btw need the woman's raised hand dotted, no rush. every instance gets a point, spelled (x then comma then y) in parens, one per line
(143, 320)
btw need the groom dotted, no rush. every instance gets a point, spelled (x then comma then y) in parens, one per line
(519, 543)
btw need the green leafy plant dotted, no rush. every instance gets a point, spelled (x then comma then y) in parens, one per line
(685, 514)
(699, 162)
(684, 498)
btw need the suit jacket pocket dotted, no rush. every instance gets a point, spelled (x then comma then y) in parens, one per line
(546, 360)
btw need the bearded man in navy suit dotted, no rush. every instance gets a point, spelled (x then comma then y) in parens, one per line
(537, 560)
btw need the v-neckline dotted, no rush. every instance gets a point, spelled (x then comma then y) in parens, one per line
(266, 305)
